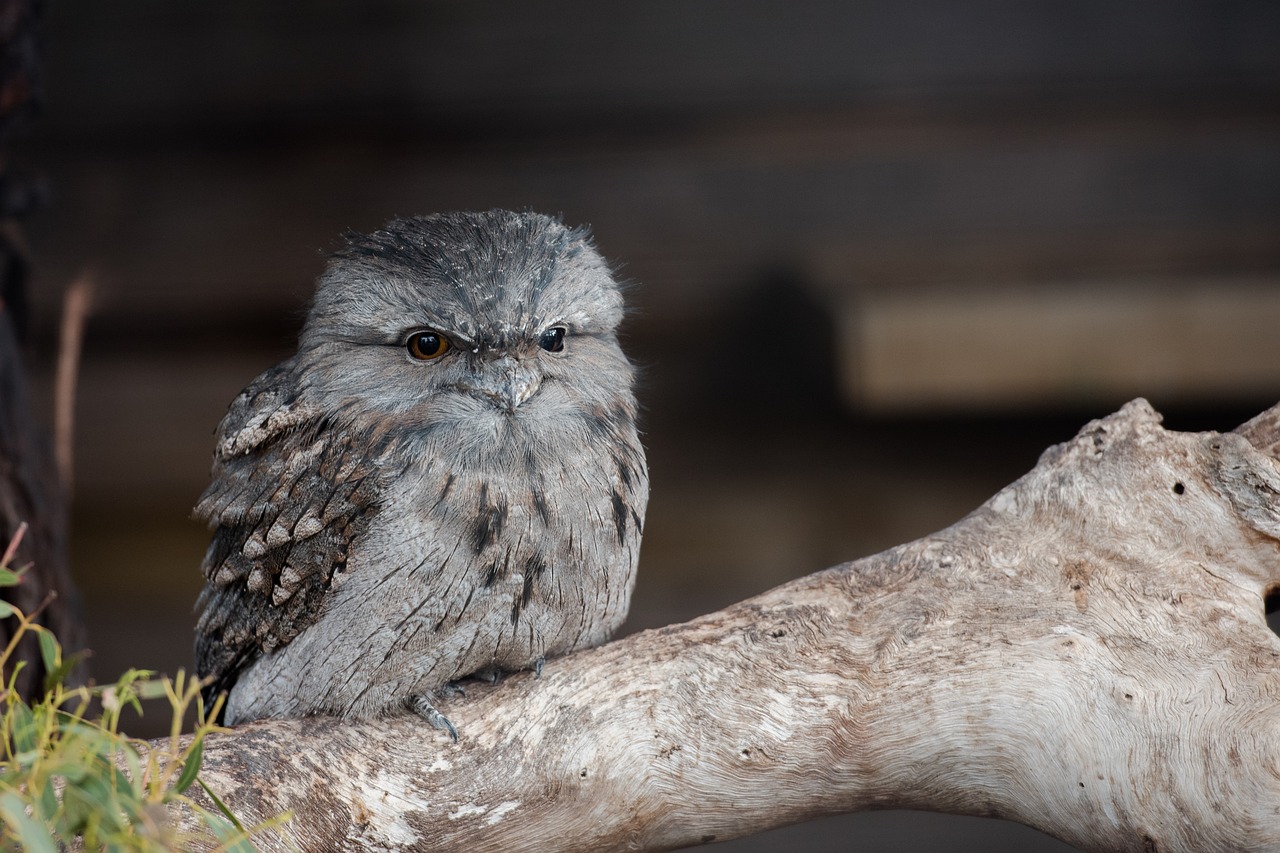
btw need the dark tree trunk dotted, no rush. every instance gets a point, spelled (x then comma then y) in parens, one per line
(29, 487)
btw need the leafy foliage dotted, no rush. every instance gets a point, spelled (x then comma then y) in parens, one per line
(65, 776)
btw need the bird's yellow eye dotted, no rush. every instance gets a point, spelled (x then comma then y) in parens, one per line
(427, 344)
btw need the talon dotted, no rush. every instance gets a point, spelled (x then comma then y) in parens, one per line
(452, 689)
(421, 705)
(537, 666)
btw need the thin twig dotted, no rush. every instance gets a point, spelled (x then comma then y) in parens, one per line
(14, 543)
(75, 311)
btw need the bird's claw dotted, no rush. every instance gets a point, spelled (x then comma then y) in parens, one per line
(421, 705)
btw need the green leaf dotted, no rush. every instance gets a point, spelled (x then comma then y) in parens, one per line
(222, 807)
(8, 577)
(96, 799)
(233, 838)
(131, 758)
(48, 803)
(6, 609)
(242, 846)
(90, 833)
(31, 833)
(77, 810)
(24, 730)
(58, 675)
(63, 776)
(24, 760)
(191, 768)
(50, 654)
(149, 689)
(75, 759)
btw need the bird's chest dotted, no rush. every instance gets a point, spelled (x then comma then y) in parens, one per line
(498, 566)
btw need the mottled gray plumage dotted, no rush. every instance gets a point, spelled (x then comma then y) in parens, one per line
(386, 524)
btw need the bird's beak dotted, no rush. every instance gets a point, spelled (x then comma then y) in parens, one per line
(508, 383)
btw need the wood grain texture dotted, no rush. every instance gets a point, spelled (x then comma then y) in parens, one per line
(1086, 653)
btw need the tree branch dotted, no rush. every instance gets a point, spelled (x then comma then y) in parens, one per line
(1086, 653)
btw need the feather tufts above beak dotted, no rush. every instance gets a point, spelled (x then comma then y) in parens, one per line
(507, 384)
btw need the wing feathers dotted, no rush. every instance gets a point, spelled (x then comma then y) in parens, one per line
(289, 493)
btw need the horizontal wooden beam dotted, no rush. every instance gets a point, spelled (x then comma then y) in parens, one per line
(1060, 342)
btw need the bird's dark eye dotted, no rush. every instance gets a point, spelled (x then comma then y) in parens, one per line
(427, 344)
(552, 339)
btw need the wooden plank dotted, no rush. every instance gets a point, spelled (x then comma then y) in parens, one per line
(207, 233)
(136, 63)
(1061, 343)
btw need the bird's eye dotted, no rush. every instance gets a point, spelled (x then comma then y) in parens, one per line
(552, 339)
(427, 344)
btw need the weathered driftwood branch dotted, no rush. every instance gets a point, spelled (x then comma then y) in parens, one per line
(1086, 653)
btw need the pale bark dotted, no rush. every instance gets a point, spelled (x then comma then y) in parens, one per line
(1086, 653)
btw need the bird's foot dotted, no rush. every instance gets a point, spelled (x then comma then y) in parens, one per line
(537, 666)
(421, 705)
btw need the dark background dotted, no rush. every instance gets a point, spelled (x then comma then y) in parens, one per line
(884, 253)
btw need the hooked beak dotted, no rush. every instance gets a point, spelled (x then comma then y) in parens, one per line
(507, 383)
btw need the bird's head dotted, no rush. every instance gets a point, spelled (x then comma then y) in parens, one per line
(491, 321)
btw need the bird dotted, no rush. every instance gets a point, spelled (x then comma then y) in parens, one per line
(445, 481)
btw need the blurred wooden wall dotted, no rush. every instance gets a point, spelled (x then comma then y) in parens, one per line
(884, 252)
